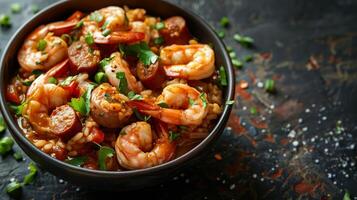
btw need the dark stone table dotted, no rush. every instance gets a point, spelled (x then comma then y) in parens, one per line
(300, 144)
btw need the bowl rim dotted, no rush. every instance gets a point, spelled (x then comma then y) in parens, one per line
(17, 133)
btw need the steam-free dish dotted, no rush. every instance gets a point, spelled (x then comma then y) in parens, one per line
(116, 89)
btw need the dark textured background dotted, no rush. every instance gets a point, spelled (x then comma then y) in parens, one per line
(291, 149)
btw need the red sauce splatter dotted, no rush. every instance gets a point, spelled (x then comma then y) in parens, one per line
(243, 93)
(266, 55)
(303, 187)
(238, 129)
(269, 138)
(259, 124)
(277, 174)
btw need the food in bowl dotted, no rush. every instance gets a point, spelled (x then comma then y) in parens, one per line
(116, 89)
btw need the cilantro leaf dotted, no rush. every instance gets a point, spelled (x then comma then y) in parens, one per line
(133, 96)
(79, 105)
(17, 109)
(204, 99)
(103, 154)
(173, 136)
(142, 51)
(123, 83)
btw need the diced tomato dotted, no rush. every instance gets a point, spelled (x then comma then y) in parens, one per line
(98, 135)
(12, 95)
(73, 88)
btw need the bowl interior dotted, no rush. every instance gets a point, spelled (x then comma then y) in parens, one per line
(63, 9)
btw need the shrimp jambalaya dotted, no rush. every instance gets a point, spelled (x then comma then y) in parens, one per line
(115, 89)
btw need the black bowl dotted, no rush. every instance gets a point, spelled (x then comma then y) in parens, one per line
(126, 180)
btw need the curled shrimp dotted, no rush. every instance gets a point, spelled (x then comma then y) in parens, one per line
(118, 64)
(54, 49)
(137, 149)
(187, 106)
(108, 107)
(141, 27)
(43, 97)
(113, 20)
(192, 62)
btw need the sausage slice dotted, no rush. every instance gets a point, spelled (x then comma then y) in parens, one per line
(84, 58)
(152, 76)
(65, 122)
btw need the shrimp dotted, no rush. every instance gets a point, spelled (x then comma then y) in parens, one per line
(108, 107)
(43, 97)
(118, 64)
(187, 105)
(32, 56)
(113, 20)
(141, 27)
(192, 62)
(136, 148)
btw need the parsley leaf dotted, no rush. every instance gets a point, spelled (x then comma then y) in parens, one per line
(139, 116)
(140, 50)
(103, 154)
(173, 136)
(6, 144)
(17, 109)
(2, 124)
(89, 38)
(133, 96)
(79, 105)
(204, 100)
(105, 61)
(13, 187)
(163, 105)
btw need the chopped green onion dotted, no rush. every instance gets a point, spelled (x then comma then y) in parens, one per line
(223, 76)
(2, 124)
(79, 24)
(230, 102)
(123, 83)
(13, 187)
(221, 34)
(100, 77)
(89, 38)
(159, 40)
(41, 45)
(237, 63)
(105, 61)
(191, 102)
(253, 111)
(53, 80)
(229, 49)
(248, 58)
(173, 136)
(106, 32)
(139, 116)
(346, 196)
(133, 96)
(31, 175)
(269, 85)
(37, 72)
(35, 8)
(103, 154)
(67, 81)
(17, 155)
(243, 40)
(77, 161)
(17, 109)
(159, 25)
(5, 20)
(204, 100)
(163, 105)
(6, 144)
(224, 21)
(232, 55)
(96, 16)
(15, 7)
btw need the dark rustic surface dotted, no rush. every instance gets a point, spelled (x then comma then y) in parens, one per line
(300, 144)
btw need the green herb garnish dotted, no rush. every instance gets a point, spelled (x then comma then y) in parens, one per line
(100, 77)
(2, 124)
(106, 32)
(269, 85)
(248, 58)
(191, 101)
(204, 100)
(173, 136)
(139, 116)
(35, 8)
(105, 61)
(67, 81)
(159, 40)
(13, 187)
(89, 38)
(346, 196)
(31, 175)
(230, 102)
(103, 154)
(79, 24)
(17, 155)
(77, 161)
(223, 76)
(53, 80)
(253, 110)
(96, 16)
(243, 40)
(82, 104)
(237, 63)
(159, 25)
(224, 22)
(123, 83)
(133, 96)
(17, 109)
(221, 34)
(6, 144)
(15, 7)
(163, 105)
(5, 20)
(41, 45)
(142, 51)
(37, 72)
